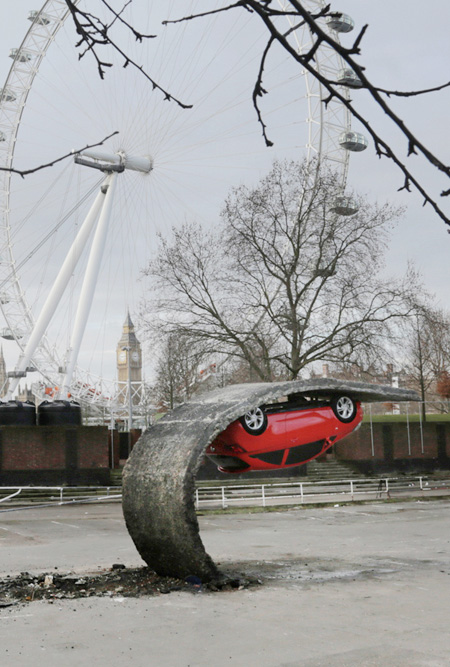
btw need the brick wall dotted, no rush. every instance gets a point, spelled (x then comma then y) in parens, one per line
(54, 455)
(391, 445)
(29, 448)
(93, 447)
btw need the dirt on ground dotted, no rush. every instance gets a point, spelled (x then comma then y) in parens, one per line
(118, 581)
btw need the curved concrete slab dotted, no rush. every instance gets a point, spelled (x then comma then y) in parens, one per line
(159, 477)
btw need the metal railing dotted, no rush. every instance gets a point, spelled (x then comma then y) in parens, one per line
(317, 492)
(39, 496)
(240, 495)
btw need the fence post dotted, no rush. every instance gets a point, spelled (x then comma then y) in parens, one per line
(371, 429)
(407, 427)
(196, 499)
(223, 497)
(263, 495)
(420, 421)
(351, 488)
(60, 494)
(301, 491)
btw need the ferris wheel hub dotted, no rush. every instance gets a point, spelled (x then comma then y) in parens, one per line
(114, 161)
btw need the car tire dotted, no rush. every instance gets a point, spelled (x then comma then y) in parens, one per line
(254, 421)
(344, 408)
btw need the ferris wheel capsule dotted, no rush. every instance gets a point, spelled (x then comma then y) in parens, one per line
(22, 55)
(347, 77)
(38, 17)
(8, 334)
(344, 205)
(340, 22)
(353, 141)
(7, 95)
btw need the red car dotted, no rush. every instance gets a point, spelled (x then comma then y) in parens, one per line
(285, 434)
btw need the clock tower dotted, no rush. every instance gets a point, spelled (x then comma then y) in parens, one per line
(129, 357)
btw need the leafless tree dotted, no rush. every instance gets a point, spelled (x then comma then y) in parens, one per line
(177, 370)
(426, 343)
(443, 388)
(284, 282)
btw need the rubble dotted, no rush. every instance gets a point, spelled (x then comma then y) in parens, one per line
(118, 582)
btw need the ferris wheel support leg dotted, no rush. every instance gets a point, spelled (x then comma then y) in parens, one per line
(57, 290)
(89, 283)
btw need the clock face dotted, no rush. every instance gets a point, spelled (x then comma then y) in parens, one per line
(135, 356)
(122, 355)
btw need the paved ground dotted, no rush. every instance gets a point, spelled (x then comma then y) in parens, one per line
(346, 586)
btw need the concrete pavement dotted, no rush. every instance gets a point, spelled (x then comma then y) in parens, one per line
(343, 586)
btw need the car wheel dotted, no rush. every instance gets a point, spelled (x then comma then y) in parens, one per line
(254, 421)
(344, 408)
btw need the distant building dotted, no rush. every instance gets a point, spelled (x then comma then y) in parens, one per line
(4, 382)
(129, 361)
(25, 395)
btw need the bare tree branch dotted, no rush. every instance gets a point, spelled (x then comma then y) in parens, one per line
(270, 17)
(95, 34)
(413, 93)
(259, 91)
(26, 172)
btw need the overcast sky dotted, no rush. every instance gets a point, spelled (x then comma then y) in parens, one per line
(406, 47)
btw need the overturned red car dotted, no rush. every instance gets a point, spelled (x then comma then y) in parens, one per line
(285, 434)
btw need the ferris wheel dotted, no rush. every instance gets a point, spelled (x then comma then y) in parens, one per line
(74, 237)
(331, 140)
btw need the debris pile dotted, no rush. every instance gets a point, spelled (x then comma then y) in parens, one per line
(117, 582)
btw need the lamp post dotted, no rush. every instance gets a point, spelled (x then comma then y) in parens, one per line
(420, 363)
(127, 349)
